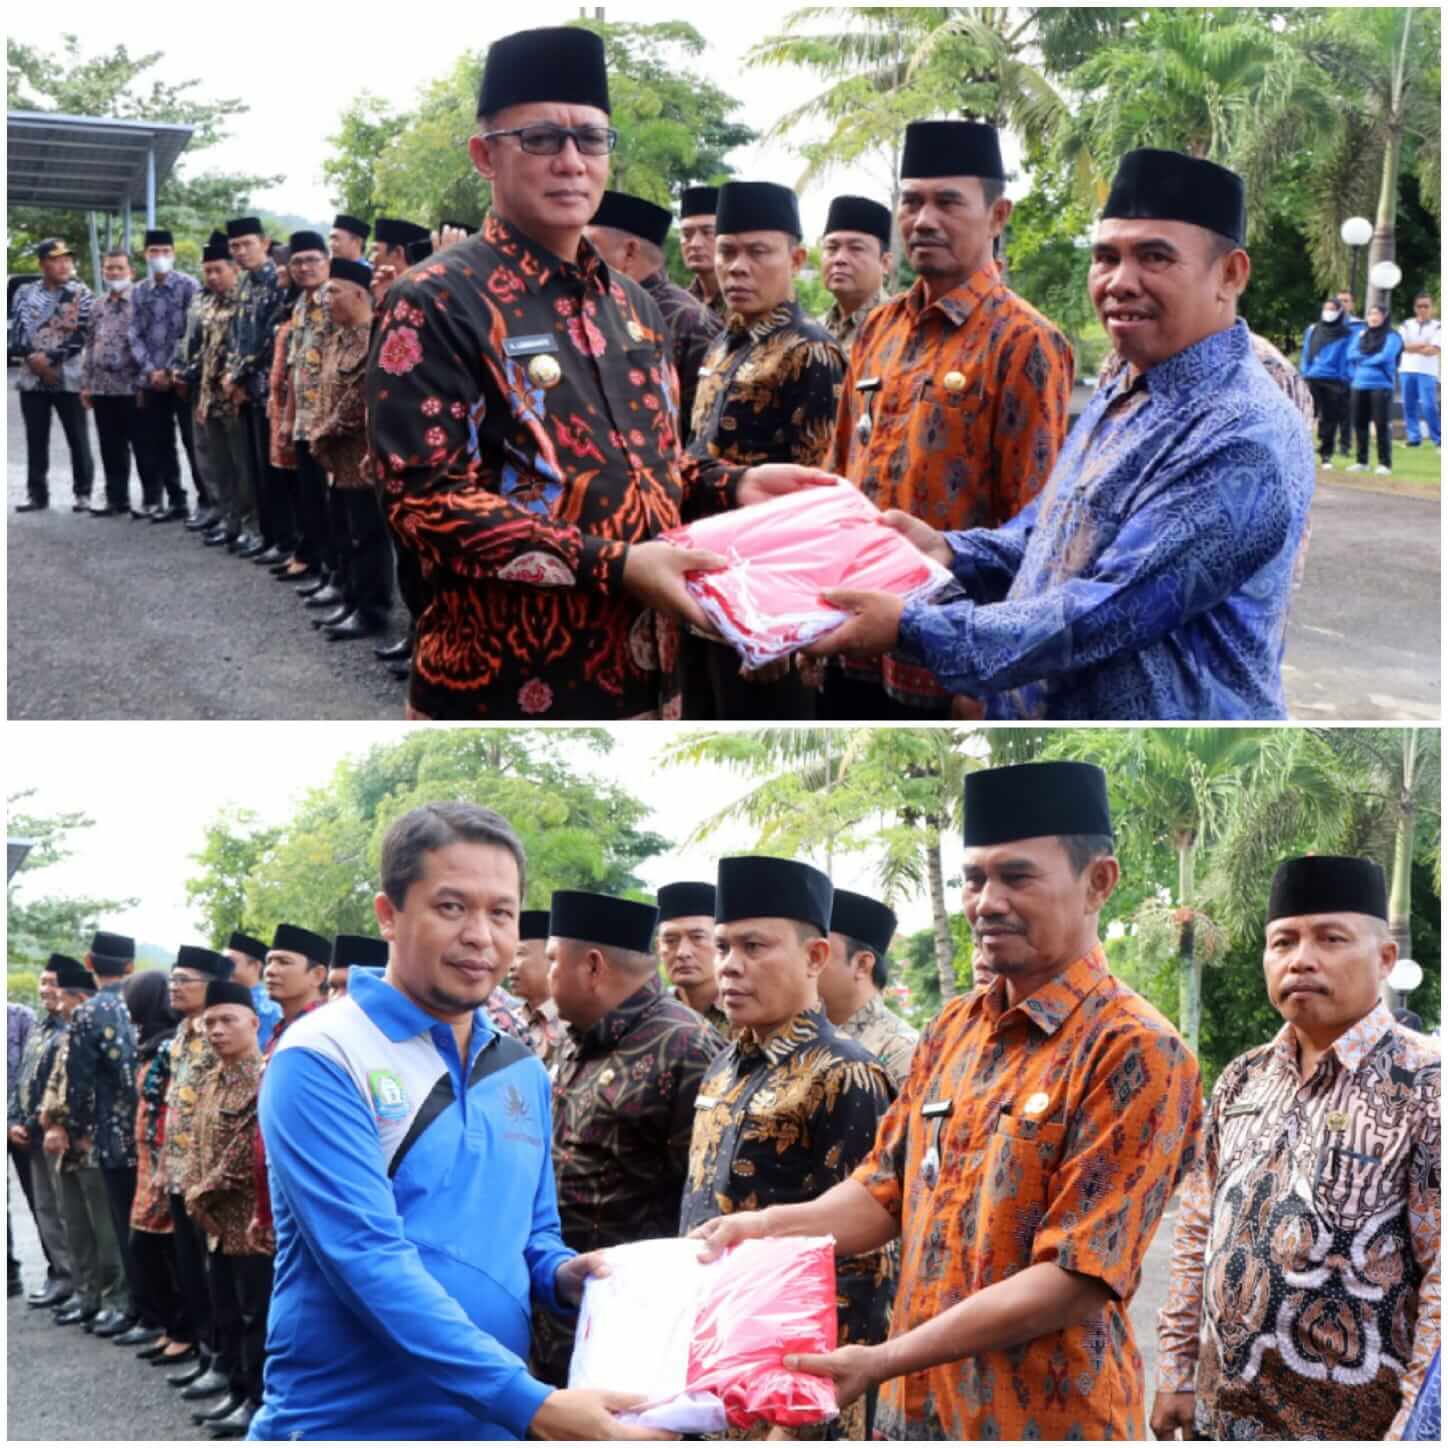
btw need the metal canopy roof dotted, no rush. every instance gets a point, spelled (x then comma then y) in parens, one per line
(86, 163)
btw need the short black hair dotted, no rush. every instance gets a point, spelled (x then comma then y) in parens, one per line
(435, 826)
(1423, 297)
(880, 966)
(119, 251)
(992, 188)
(807, 930)
(1081, 850)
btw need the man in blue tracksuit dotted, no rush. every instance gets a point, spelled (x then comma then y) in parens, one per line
(1327, 374)
(408, 1145)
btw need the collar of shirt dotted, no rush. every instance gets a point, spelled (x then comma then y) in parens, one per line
(836, 318)
(957, 304)
(1193, 368)
(115, 988)
(547, 1012)
(537, 265)
(283, 1024)
(805, 1027)
(786, 314)
(1351, 1048)
(122, 296)
(871, 1010)
(1051, 1006)
(603, 1035)
(396, 1016)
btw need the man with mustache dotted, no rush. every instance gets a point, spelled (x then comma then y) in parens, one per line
(1308, 1236)
(855, 259)
(686, 948)
(1026, 1163)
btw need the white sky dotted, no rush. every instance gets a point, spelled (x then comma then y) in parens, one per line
(153, 788)
(298, 69)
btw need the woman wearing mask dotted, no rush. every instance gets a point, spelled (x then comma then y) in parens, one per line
(1373, 358)
(1325, 370)
(162, 1333)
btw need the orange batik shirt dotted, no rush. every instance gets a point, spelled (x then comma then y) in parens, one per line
(954, 413)
(1073, 1115)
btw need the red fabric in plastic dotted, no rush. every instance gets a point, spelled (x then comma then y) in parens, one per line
(769, 1297)
(784, 553)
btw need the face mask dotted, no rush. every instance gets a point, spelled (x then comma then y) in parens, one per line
(162, 264)
(1329, 314)
(117, 284)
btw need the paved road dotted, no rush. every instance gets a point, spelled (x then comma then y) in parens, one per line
(113, 619)
(96, 1391)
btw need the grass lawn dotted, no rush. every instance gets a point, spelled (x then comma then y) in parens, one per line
(1415, 470)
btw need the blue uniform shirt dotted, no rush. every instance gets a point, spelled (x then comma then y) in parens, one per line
(1375, 371)
(1330, 363)
(1150, 579)
(416, 1225)
(268, 1013)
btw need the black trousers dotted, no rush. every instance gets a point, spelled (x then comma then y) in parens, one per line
(273, 494)
(120, 1193)
(158, 415)
(846, 698)
(20, 1156)
(155, 1297)
(736, 698)
(1373, 405)
(241, 1289)
(318, 541)
(116, 427)
(35, 410)
(189, 1245)
(411, 587)
(1331, 402)
(364, 563)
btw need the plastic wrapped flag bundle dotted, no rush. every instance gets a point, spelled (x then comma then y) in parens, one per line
(784, 553)
(705, 1344)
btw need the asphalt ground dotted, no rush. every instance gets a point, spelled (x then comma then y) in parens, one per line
(66, 1385)
(116, 619)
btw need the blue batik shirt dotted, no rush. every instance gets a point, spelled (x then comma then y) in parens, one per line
(1150, 580)
(158, 320)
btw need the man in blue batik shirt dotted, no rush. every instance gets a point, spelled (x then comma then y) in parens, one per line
(1150, 580)
(408, 1146)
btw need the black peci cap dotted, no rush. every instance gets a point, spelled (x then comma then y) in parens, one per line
(757, 206)
(419, 250)
(108, 949)
(70, 974)
(358, 950)
(1169, 186)
(1328, 885)
(306, 241)
(342, 222)
(555, 63)
(699, 201)
(159, 237)
(603, 920)
(533, 924)
(216, 248)
(394, 232)
(203, 961)
(350, 271)
(303, 942)
(634, 215)
(757, 887)
(229, 993)
(951, 148)
(864, 919)
(247, 944)
(1026, 801)
(244, 226)
(687, 897)
(859, 213)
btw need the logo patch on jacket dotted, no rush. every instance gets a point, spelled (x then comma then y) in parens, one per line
(389, 1100)
(515, 1104)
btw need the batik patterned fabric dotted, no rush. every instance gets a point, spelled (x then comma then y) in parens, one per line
(310, 325)
(885, 1036)
(56, 323)
(717, 306)
(845, 329)
(259, 302)
(216, 316)
(55, 1111)
(713, 1013)
(19, 1023)
(339, 415)
(1425, 1422)
(158, 321)
(1073, 1116)
(782, 1121)
(281, 404)
(37, 1061)
(192, 1061)
(101, 1077)
(1152, 577)
(107, 368)
(1307, 1241)
(768, 391)
(692, 326)
(545, 1030)
(521, 417)
(953, 412)
(222, 1194)
(150, 1209)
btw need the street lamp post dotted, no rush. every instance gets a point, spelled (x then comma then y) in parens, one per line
(1356, 232)
(1383, 278)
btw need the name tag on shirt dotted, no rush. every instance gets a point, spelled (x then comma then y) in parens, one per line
(1243, 1108)
(868, 384)
(705, 1103)
(528, 346)
(933, 1109)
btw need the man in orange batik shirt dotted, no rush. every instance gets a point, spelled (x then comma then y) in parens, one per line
(958, 392)
(1044, 1125)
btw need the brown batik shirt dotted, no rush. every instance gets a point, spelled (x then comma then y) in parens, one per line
(222, 1194)
(338, 430)
(844, 329)
(1305, 1284)
(522, 419)
(192, 1061)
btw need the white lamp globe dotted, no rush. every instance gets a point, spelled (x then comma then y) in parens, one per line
(1406, 975)
(1356, 231)
(1386, 275)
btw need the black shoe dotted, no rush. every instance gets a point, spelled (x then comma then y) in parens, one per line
(33, 505)
(16, 1287)
(228, 1405)
(402, 649)
(215, 538)
(314, 586)
(177, 1359)
(77, 1314)
(52, 1295)
(202, 520)
(233, 542)
(271, 555)
(143, 513)
(235, 1424)
(343, 610)
(400, 671)
(208, 1385)
(110, 1323)
(328, 597)
(138, 1335)
(173, 514)
(359, 625)
(252, 548)
(106, 511)
(191, 1372)
(150, 1352)
(81, 505)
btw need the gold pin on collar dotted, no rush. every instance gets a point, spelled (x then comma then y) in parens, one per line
(635, 331)
(606, 1077)
(545, 371)
(1337, 1120)
(1036, 1104)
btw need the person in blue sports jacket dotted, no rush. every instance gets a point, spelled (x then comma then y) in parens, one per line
(1372, 357)
(1325, 370)
(408, 1145)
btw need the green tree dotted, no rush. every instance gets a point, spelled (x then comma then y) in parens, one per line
(234, 849)
(37, 926)
(116, 84)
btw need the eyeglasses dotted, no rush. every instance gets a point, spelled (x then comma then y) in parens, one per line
(179, 979)
(548, 140)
